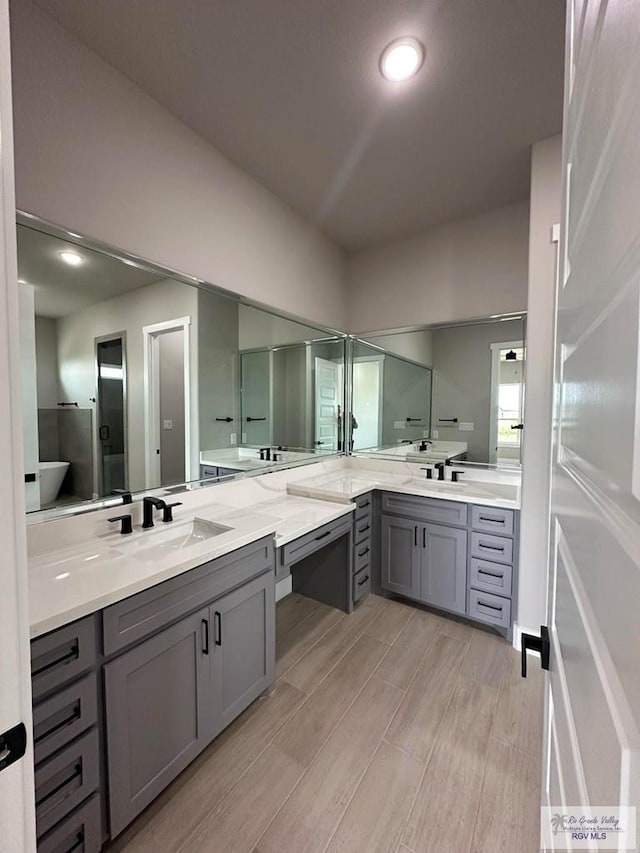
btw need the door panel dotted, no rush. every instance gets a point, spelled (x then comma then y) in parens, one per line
(443, 567)
(242, 647)
(327, 404)
(400, 561)
(594, 576)
(157, 715)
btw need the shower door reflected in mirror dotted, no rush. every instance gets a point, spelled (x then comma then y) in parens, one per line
(111, 401)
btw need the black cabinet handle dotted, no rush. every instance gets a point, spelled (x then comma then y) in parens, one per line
(490, 606)
(251, 420)
(491, 547)
(424, 537)
(540, 644)
(411, 420)
(362, 553)
(364, 506)
(492, 519)
(323, 536)
(491, 574)
(218, 617)
(225, 420)
(205, 637)
(415, 535)
(364, 580)
(364, 529)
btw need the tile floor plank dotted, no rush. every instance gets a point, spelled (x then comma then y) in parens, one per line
(293, 610)
(393, 617)
(308, 818)
(401, 662)
(376, 815)
(297, 642)
(305, 732)
(520, 707)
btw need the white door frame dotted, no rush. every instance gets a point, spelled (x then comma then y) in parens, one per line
(495, 384)
(17, 793)
(151, 370)
(380, 359)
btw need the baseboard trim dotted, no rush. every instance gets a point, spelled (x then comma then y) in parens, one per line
(284, 588)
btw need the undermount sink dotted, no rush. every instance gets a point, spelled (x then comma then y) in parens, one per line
(482, 491)
(154, 545)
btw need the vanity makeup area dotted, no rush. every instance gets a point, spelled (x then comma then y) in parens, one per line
(219, 457)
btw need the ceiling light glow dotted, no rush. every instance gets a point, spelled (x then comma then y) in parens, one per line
(71, 258)
(401, 59)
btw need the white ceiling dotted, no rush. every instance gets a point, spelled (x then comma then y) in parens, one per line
(61, 289)
(290, 91)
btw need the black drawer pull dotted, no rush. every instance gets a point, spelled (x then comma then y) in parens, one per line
(71, 655)
(66, 721)
(491, 547)
(490, 606)
(364, 506)
(218, 620)
(205, 643)
(491, 574)
(364, 580)
(79, 843)
(415, 536)
(492, 519)
(362, 553)
(323, 535)
(77, 771)
(364, 529)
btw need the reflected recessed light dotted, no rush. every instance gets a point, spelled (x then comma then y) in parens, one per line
(72, 258)
(62, 576)
(401, 59)
(22, 281)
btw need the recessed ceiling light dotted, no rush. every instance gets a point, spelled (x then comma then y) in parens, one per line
(401, 59)
(22, 281)
(72, 258)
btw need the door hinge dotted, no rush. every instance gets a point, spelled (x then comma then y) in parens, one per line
(539, 644)
(13, 744)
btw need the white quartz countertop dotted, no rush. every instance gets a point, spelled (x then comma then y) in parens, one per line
(78, 579)
(488, 491)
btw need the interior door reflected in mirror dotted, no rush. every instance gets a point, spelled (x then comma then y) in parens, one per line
(475, 377)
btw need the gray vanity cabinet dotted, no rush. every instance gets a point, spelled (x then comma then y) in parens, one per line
(401, 555)
(158, 714)
(443, 567)
(242, 643)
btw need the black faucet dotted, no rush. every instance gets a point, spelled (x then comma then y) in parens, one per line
(440, 467)
(148, 505)
(265, 454)
(125, 523)
(424, 443)
(167, 514)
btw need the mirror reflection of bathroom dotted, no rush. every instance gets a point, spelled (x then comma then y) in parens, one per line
(476, 394)
(133, 380)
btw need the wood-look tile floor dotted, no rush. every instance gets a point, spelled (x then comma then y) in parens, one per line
(392, 730)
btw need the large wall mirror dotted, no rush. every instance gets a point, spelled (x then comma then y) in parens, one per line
(451, 392)
(135, 379)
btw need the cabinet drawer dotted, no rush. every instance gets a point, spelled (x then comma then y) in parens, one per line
(64, 716)
(361, 556)
(490, 577)
(364, 505)
(361, 584)
(143, 614)
(362, 529)
(496, 549)
(492, 520)
(80, 832)
(62, 655)
(65, 780)
(310, 542)
(425, 509)
(490, 608)
(207, 471)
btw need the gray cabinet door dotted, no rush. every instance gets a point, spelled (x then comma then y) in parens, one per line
(242, 647)
(400, 563)
(158, 714)
(443, 567)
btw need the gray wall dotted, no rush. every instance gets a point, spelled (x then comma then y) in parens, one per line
(406, 393)
(471, 268)
(171, 370)
(417, 346)
(47, 362)
(131, 174)
(462, 380)
(218, 367)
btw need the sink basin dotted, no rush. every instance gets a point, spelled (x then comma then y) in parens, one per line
(176, 537)
(480, 491)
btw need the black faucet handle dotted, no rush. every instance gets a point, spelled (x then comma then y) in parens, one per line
(127, 524)
(167, 514)
(429, 474)
(125, 494)
(455, 475)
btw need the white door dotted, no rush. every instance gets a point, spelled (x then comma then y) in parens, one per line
(367, 401)
(17, 808)
(593, 687)
(31, 450)
(327, 403)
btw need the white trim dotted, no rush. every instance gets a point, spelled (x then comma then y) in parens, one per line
(493, 405)
(150, 335)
